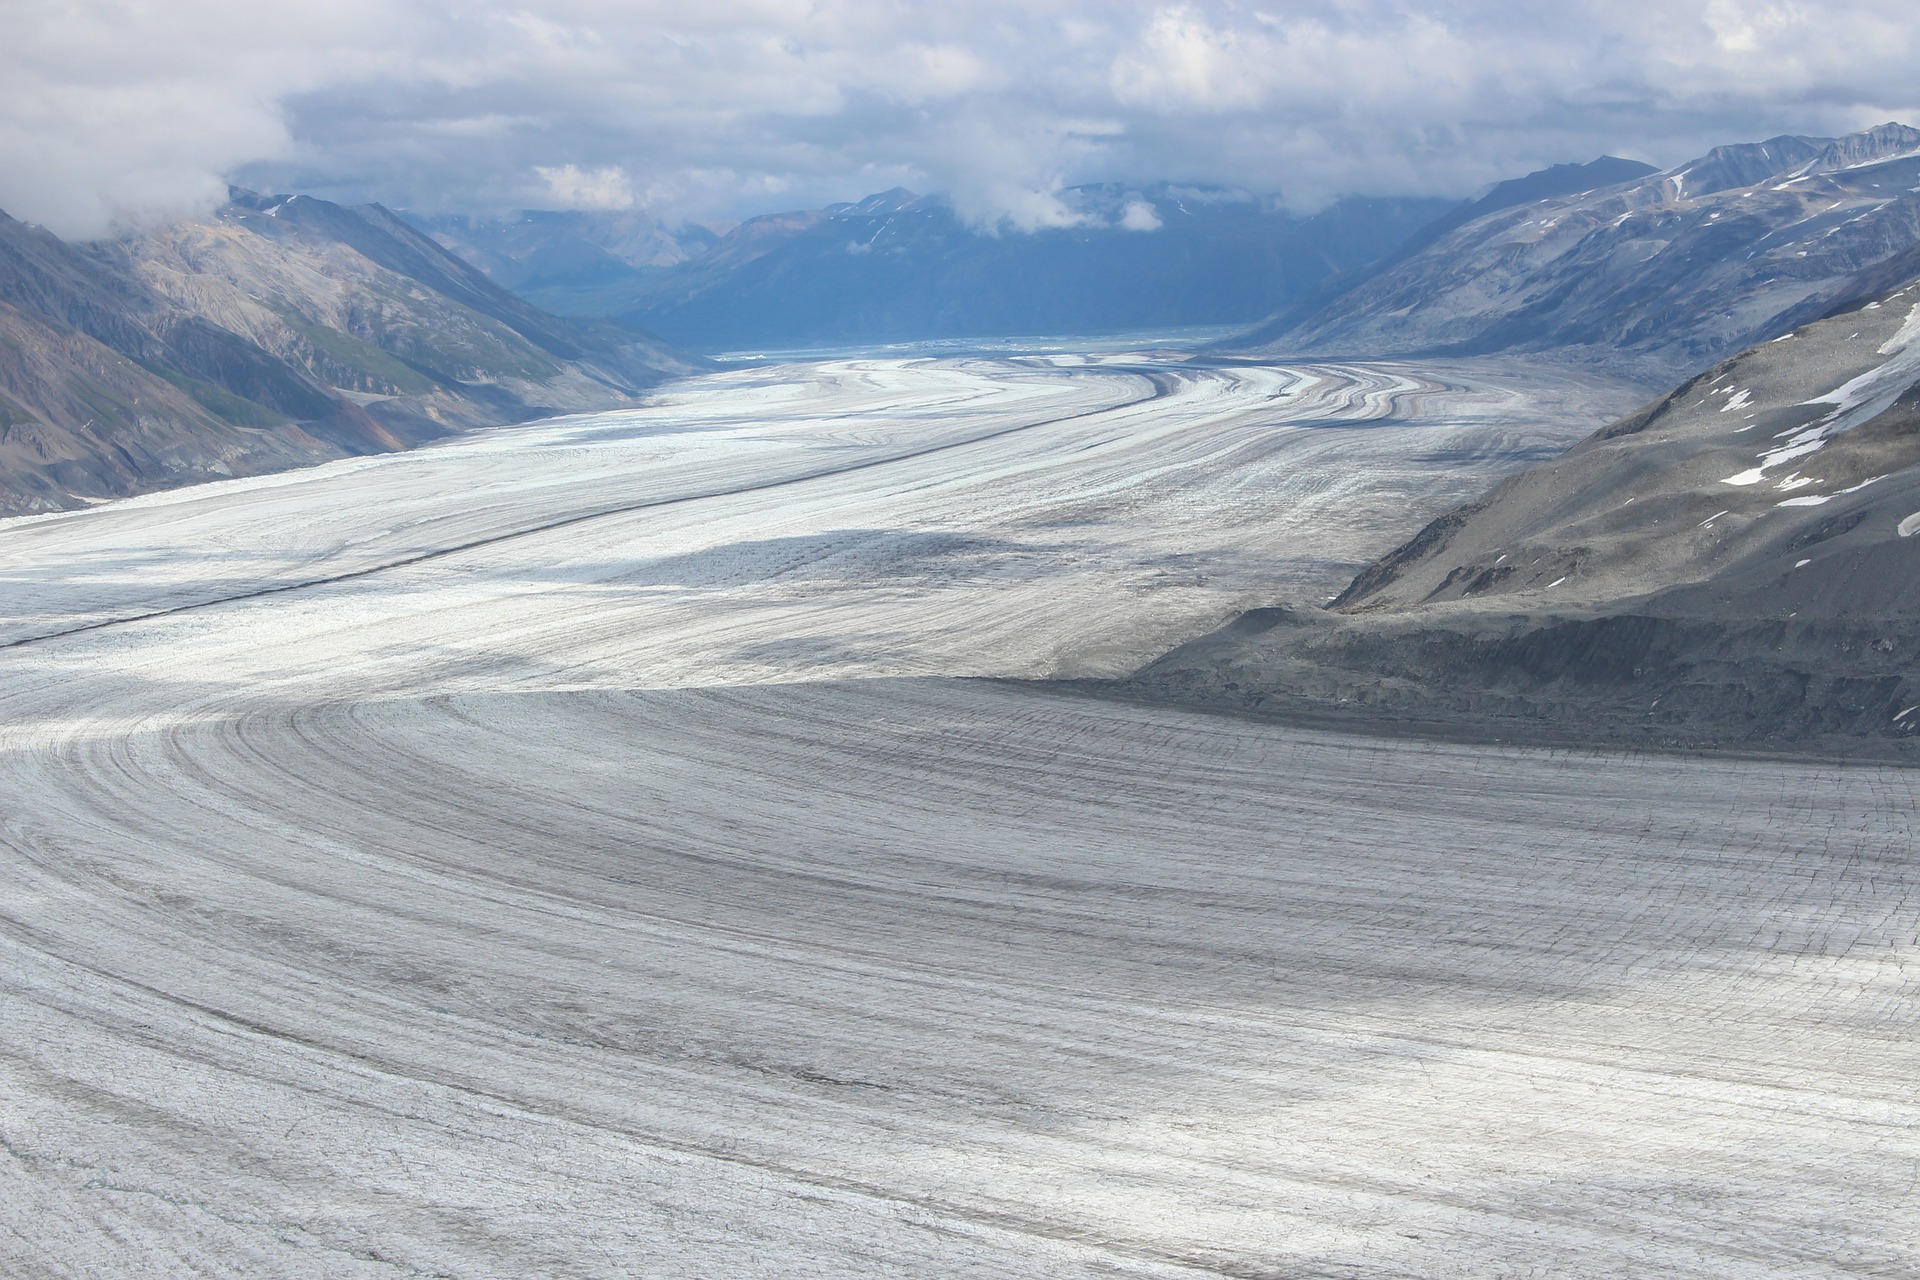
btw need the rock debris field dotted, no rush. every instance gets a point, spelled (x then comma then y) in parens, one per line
(578, 850)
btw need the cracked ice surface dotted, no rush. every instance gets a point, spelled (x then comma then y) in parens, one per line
(568, 853)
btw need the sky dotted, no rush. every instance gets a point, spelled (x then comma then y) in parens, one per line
(123, 111)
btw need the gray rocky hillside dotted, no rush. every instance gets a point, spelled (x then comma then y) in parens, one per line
(1653, 278)
(1736, 565)
(273, 333)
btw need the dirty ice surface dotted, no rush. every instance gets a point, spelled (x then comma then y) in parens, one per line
(570, 852)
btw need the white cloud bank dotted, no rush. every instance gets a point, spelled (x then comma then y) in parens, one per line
(120, 109)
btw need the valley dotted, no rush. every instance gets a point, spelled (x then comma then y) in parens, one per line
(659, 842)
(1176, 640)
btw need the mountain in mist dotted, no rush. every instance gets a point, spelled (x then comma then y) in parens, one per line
(275, 332)
(574, 262)
(1653, 277)
(899, 266)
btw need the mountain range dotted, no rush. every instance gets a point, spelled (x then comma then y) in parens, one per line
(282, 330)
(276, 332)
(1648, 274)
(1653, 277)
(576, 262)
(1735, 565)
(900, 266)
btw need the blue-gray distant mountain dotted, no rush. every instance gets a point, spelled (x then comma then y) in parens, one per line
(1542, 184)
(898, 266)
(276, 332)
(1653, 277)
(573, 262)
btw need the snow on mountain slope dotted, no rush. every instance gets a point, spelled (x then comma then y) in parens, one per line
(1735, 564)
(1654, 278)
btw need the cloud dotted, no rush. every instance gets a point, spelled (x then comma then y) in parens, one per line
(1139, 216)
(571, 187)
(114, 111)
(1183, 62)
(122, 109)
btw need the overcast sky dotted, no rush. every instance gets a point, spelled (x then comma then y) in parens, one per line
(118, 110)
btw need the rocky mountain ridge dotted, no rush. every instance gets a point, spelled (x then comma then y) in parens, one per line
(1654, 278)
(1735, 566)
(276, 332)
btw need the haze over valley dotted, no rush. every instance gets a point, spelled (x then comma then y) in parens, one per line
(900, 267)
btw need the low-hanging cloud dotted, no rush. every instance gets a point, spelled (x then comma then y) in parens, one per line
(119, 110)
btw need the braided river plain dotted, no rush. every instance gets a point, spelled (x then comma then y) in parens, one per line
(647, 845)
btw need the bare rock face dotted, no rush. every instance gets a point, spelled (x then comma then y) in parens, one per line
(79, 419)
(273, 333)
(1727, 476)
(1655, 277)
(1734, 565)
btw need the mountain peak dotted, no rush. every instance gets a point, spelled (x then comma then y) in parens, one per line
(1749, 164)
(1869, 146)
(1557, 180)
(896, 200)
(1659, 277)
(1744, 164)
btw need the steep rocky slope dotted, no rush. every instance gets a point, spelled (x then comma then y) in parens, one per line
(1734, 565)
(275, 332)
(80, 420)
(1653, 278)
(1542, 184)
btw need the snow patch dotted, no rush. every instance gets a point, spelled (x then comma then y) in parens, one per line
(1856, 401)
